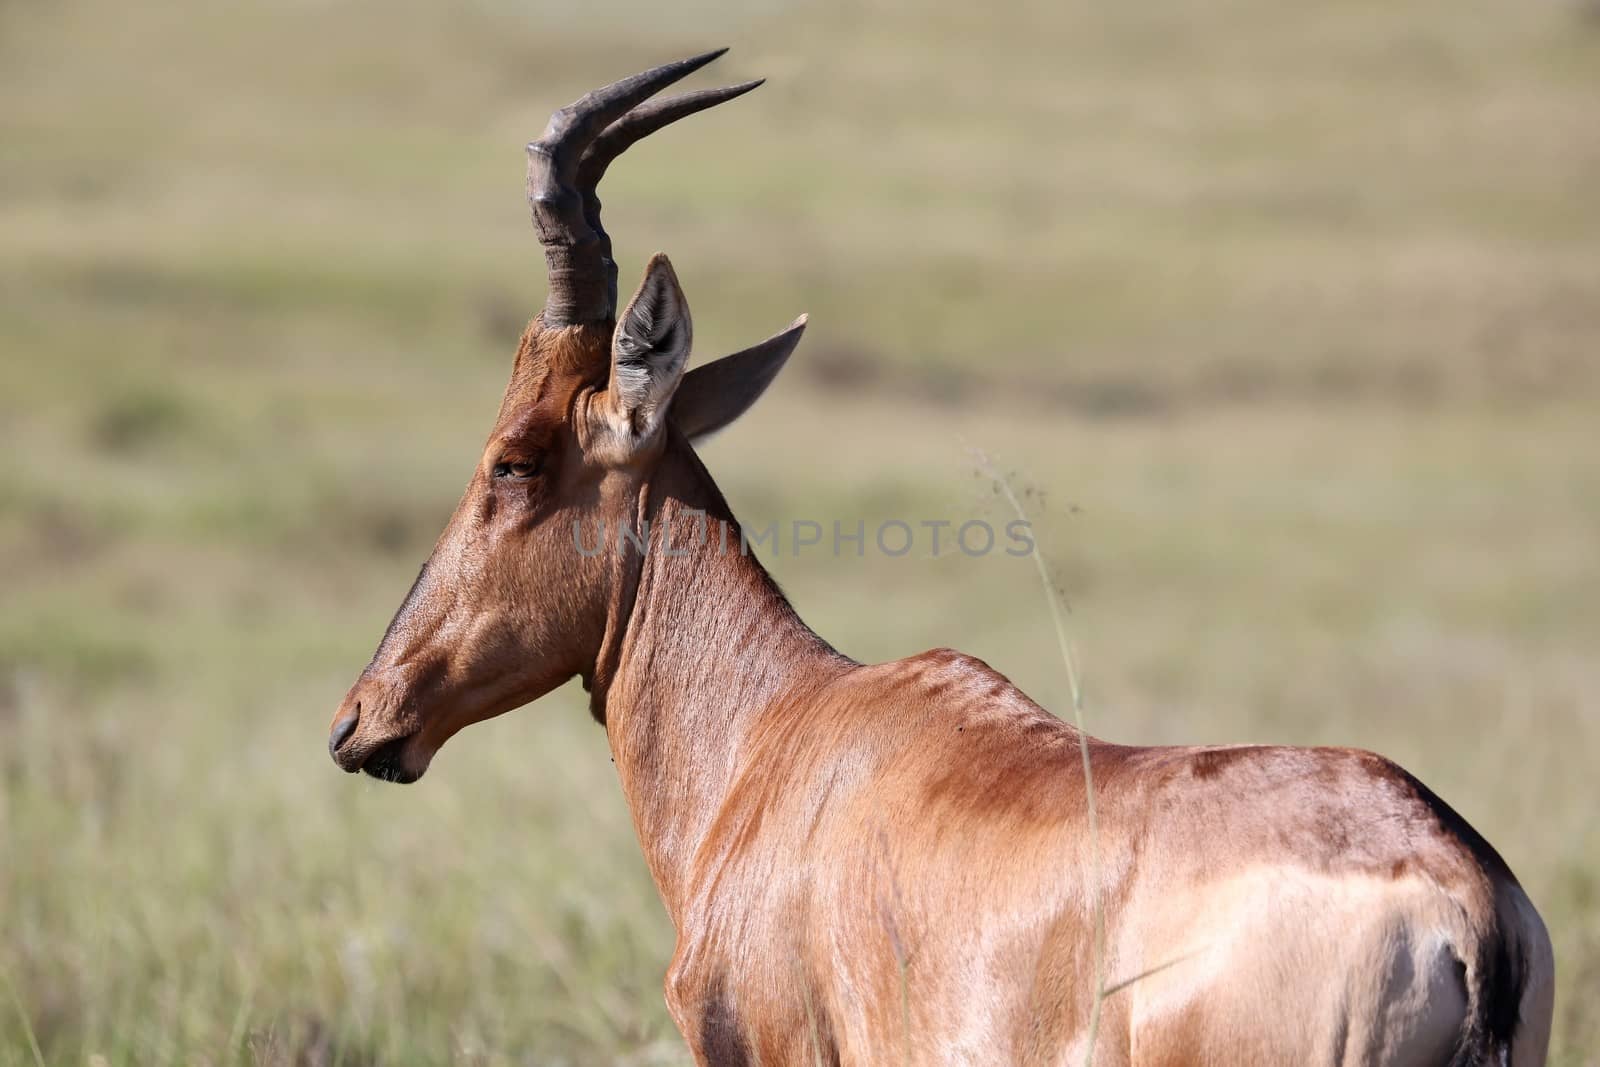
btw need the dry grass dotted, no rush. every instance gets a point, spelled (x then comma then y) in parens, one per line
(1288, 315)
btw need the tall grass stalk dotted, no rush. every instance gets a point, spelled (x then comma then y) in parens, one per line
(27, 1024)
(905, 1015)
(811, 1020)
(1064, 644)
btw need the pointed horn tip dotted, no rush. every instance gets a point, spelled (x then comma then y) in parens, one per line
(800, 323)
(703, 98)
(696, 62)
(732, 92)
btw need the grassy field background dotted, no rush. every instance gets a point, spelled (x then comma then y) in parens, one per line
(1290, 313)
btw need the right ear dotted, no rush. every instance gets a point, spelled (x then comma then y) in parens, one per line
(714, 395)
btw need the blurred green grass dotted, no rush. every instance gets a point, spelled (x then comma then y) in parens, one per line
(1290, 316)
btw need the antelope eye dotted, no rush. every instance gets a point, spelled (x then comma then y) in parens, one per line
(516, 468)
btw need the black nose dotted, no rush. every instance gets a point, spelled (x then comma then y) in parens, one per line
(341, 733)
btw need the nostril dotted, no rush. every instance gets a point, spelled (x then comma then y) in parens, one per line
(342, 731)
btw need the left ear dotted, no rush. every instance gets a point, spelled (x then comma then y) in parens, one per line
(649, 351)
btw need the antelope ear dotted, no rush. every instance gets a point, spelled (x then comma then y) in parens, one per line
(714, 395)
(649, 350)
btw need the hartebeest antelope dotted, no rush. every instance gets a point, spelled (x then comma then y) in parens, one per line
(892, 863)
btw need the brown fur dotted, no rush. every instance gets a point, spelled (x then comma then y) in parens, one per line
(877, 863)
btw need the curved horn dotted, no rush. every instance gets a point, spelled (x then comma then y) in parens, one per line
(567, 162)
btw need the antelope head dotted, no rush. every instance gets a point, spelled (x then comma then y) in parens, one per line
(507, 607)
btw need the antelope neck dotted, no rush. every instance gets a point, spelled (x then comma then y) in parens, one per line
(701, 647)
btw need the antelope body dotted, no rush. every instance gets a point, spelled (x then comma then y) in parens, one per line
(893, 863)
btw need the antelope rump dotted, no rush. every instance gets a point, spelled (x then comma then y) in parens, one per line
(894, 862)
